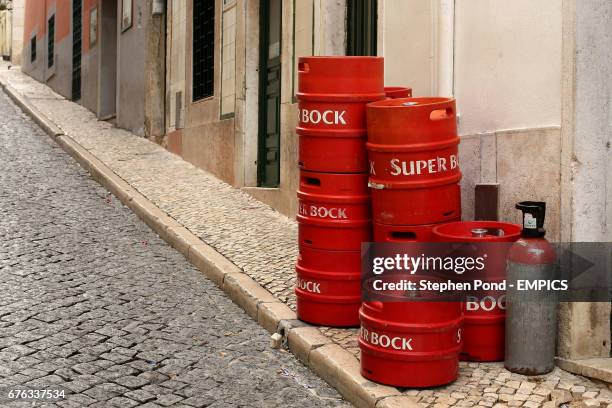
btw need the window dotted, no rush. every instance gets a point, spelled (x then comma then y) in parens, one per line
(33, 49)
(203, 48)
(361, 17)
(51, 41)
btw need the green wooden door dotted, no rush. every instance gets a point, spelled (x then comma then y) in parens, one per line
(268, 164)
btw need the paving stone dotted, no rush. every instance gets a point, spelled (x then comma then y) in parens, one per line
(141, 396)
(198, 402)
(122, 402)
(105, 391)
(131, 382)
(167, 400)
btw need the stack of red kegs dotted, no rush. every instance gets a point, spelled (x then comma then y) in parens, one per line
(414, 176)
(334, 215)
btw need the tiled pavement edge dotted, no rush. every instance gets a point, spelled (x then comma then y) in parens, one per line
(248, 250)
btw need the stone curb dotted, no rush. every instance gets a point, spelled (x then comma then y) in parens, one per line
(595, 368)
(41, 120)
(331, 362)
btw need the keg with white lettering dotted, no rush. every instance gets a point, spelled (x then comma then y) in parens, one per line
(333, 211)
(414, 166)
(328, 289)
(484, 316)
(332, 95)
(410, 344)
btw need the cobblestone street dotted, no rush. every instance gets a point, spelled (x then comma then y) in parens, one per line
(126, 310)
(91, 300)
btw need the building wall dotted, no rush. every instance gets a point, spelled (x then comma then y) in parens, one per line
(90, 61)
(18, 15)
(205, 139)
(5, 33)
(133, 68)
(36, 17)
(131, 54)
(586, 161)
(211, 136)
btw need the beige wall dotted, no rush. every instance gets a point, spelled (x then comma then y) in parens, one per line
(502, 62)
(5, 33)
(17, 31)
(207, 140)
(408, 62)
(507, 64)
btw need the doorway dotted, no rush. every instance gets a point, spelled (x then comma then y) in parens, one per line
(268, 163)
(361, 27)
(107, 83)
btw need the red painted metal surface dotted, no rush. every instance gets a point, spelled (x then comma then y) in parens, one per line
(333, 211)
(328, 288)
(395, 92)
(402, 233)
(410, 344)
(414, 167)
(484, 319)
(332, 95)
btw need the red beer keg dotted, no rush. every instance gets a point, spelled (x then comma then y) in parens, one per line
(484, 317)
(333, 211)
(410, 344)
(395, 92)
(332, 97)
(414, 166)
(328, 288)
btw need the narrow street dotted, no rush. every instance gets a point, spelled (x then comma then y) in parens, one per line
(94, 302)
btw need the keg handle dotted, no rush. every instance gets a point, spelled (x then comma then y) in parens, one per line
(303, 67)
(442, 114)
(403, 236)
(311, 182)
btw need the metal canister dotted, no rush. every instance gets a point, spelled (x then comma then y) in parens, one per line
(531, 315)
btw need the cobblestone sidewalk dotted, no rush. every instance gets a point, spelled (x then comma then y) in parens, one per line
(262, 243)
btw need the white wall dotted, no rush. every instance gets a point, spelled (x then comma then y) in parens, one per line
(508, 64)
(408, 43)
(507, 58)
